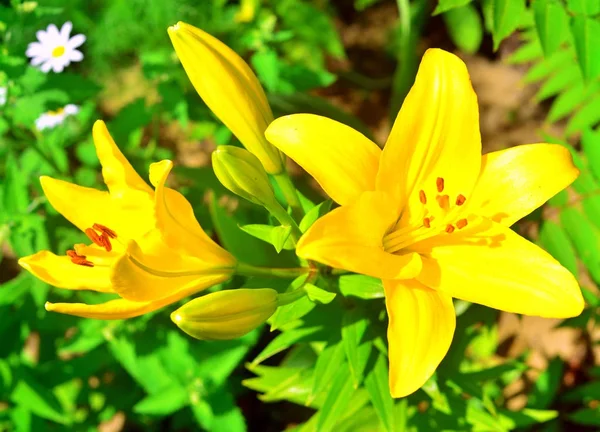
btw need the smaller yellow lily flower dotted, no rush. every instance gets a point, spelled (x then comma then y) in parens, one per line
(230, 89)
(430, 216)
(147, 246)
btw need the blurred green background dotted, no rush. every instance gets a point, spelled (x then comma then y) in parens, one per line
(535, 67)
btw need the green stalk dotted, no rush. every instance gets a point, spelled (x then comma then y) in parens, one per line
(289, 192)
(290, 297)
(250, 270)
(285, 219)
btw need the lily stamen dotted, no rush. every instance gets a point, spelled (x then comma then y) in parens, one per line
(460, 200)
(105, 230)
(449, 228)
(79, 259)
(443, 201)
(422, 197)
(440, 184)
(461, 223)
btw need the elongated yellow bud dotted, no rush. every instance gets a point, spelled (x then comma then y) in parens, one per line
(226, 314)
(241, 172)
(230, 89)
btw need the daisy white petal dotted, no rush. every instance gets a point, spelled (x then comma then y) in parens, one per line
(36, 61)
(75, 56)
(76, 41)
(71, 109)
(53, 33)
(47, 66)
(65, 30)
(34, 49)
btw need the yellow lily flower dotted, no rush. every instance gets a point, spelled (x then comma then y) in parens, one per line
(430, 216)
(147, 246)
(229, 88)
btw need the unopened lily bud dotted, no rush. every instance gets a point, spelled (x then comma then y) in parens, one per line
(226, 314)
(241, 172)
(230, 89)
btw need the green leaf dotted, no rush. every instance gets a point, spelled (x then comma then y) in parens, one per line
(584, 393)
(354, 328)
(465, 28)
(376, 383)
(364, 287)
(550, 21)
(266, 64)
(546, 386)
(590, 142)
(16, 195)
(164, 402)
(585, 238)
(227, 415)
(318, 295)
(554, 239)
(328, 363)
(38, 399)
(586, 37)
(313, 214)
(293, 311)
(568, 101)
(337, 400)
(278, 236)
(560, 82)
(446, 5)
(585, 7)
(586, 116)
(507, 17)
(586, 416)
(285, 340)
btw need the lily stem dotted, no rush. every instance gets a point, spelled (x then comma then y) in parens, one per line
(250, 270)
(285, 219)
(290, 193)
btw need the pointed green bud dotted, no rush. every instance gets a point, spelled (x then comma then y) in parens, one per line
(242, 173)
(226, 314)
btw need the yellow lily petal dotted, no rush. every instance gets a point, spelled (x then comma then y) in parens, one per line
(84, 206)
(350, 237)
(422, 323)
(230, 89)
(120, 308)
(516, 181)
(60, 272)
(341, 159)
(149, 275)
(489, 264)
(176, 222)
(436, 135)
(119, 175)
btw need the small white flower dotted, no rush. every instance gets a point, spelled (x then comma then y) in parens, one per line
(51, 119)
(55, 50)
(3, 91)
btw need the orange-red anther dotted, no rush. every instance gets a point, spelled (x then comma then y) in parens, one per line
(440, 184)
(93, 235)
(72, 254)
(106, 242)
(105, 230)
(422, 197)
(461, 223)
(443, 201)
(427, 222)
(449, 229)
(460, 200)
(82, 261)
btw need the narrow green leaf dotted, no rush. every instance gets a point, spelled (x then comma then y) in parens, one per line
(318, 295)
(586, 416)
(365, 287)
(583, 393)
(465, 27)
(590, 142)
(38, 399)
(586, 116)
(337, 400)
(286, 340)
(544, 67)
(585, 238)
(560, 82)
(293, 311)
(507, 17)
(328, 363)
(569, 101)
(354, 328)
(586, 37)
(278, 236)
(555, 240)
(546, 386)
(584, 7)
(164, 402)
(313, 214)
(376, 383)
(446, 5)
(550, 22)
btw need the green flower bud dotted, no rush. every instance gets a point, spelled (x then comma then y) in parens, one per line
(242, 173)
(226, 314)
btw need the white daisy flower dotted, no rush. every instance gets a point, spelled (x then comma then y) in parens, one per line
(51, 119)
(3, 91)
(55, 50)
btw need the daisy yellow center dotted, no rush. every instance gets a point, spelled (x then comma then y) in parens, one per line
(58, 51)
(435, 220)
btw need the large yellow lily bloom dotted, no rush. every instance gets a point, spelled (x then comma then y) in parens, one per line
(429, 215)
(147, 245)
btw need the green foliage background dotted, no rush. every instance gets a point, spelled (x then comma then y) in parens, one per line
(62, 373)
